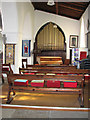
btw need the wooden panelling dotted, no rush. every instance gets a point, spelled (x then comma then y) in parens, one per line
(68, 9)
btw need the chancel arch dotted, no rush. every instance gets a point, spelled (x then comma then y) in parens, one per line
(50, 41)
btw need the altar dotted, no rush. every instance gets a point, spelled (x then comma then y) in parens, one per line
(49, 60)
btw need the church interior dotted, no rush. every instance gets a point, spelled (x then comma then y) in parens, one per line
(44, 59)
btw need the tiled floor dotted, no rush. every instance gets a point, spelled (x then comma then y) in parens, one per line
(19, 113)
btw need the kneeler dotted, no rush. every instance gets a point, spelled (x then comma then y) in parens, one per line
(37, 83)
(22, 82)
(70, 84)
(53, 84)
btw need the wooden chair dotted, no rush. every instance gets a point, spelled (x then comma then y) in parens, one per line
(24, 63)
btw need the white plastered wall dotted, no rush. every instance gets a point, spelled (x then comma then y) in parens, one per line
(83, 28)
(69, 26)
(18, 22)
(84, 31)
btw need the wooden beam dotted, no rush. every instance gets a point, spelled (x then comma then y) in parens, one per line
(78, 4)
(71, 7)
(57, 8)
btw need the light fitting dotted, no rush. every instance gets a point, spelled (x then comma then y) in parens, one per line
(50, 2)
(54, 26)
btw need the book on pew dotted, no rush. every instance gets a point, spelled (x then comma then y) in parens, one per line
(22, 82)
(37, 83)
(70, 84)
(53, 84)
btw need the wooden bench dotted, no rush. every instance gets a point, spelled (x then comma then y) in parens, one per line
(37, 65)
(6, 69)
(50, 67)
(57, 71)
(84, 72)
(62, 78)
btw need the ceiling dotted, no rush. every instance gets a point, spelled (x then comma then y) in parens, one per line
(68, 9)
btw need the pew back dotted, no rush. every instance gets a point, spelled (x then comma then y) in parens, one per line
(56, 71)
(12, 77)
(50, 67)
(6, 68)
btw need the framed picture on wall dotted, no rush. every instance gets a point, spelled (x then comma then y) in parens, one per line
(9, 53)
(73, 43)
(26, 48)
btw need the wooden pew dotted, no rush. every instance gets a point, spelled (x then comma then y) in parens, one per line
(62, 78)
(56, 71)
(84, 72)
(6, 69)
(51, 66)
